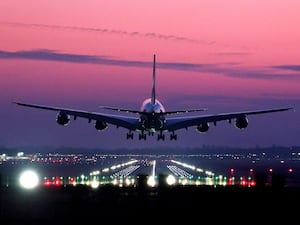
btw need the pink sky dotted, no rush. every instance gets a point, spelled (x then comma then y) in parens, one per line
(250, 50)
(267, 30)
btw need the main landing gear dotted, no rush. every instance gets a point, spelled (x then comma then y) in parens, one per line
(129, 135)
(173, 136)
(160, 136)
(143, 135)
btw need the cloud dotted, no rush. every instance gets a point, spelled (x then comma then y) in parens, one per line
(152, 35)
(288, 67)
(230, 70)
(50, 55)
(261, 73)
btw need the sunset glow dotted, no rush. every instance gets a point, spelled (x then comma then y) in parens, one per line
(223, 55)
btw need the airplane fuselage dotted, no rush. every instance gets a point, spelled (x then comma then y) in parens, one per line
(152, 118)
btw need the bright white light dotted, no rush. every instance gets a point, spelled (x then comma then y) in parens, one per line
(95, 184)
(29, 179)
(151, 181)
(127, 181)
(115, 181)
(197, 182)
(20, 154)
(184, 181)
(171, 179)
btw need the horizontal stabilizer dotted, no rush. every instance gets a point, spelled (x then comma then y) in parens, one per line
(183, 111)
(144, 113)
(121, 110)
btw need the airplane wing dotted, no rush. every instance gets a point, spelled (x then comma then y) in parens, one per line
(130, 123)
(171, 124)
(177, 123)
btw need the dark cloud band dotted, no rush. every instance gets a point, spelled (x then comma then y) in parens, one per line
(225, 70)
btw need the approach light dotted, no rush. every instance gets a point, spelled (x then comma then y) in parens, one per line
(171, 180)
(95, 184)
(151, 181)
(29, 179)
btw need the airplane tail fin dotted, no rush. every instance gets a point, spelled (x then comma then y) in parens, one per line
(153, 97)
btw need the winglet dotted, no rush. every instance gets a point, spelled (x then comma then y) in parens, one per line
(153, 97)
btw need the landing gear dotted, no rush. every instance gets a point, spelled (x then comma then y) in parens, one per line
(129, 135)
(142, 136)
(150, 133)
(160, 136)
(173, 136)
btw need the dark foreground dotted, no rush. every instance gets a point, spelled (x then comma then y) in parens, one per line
(227, 205)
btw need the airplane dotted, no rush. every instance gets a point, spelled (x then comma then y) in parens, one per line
(152, 117)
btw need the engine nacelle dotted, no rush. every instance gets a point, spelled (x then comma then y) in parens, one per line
(241, 122)
(202, 127)
(100, 125)
(63, 118)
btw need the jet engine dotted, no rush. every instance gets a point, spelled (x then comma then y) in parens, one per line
(241, 122)
(63, 118)
(100, 125)
(202, 127)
